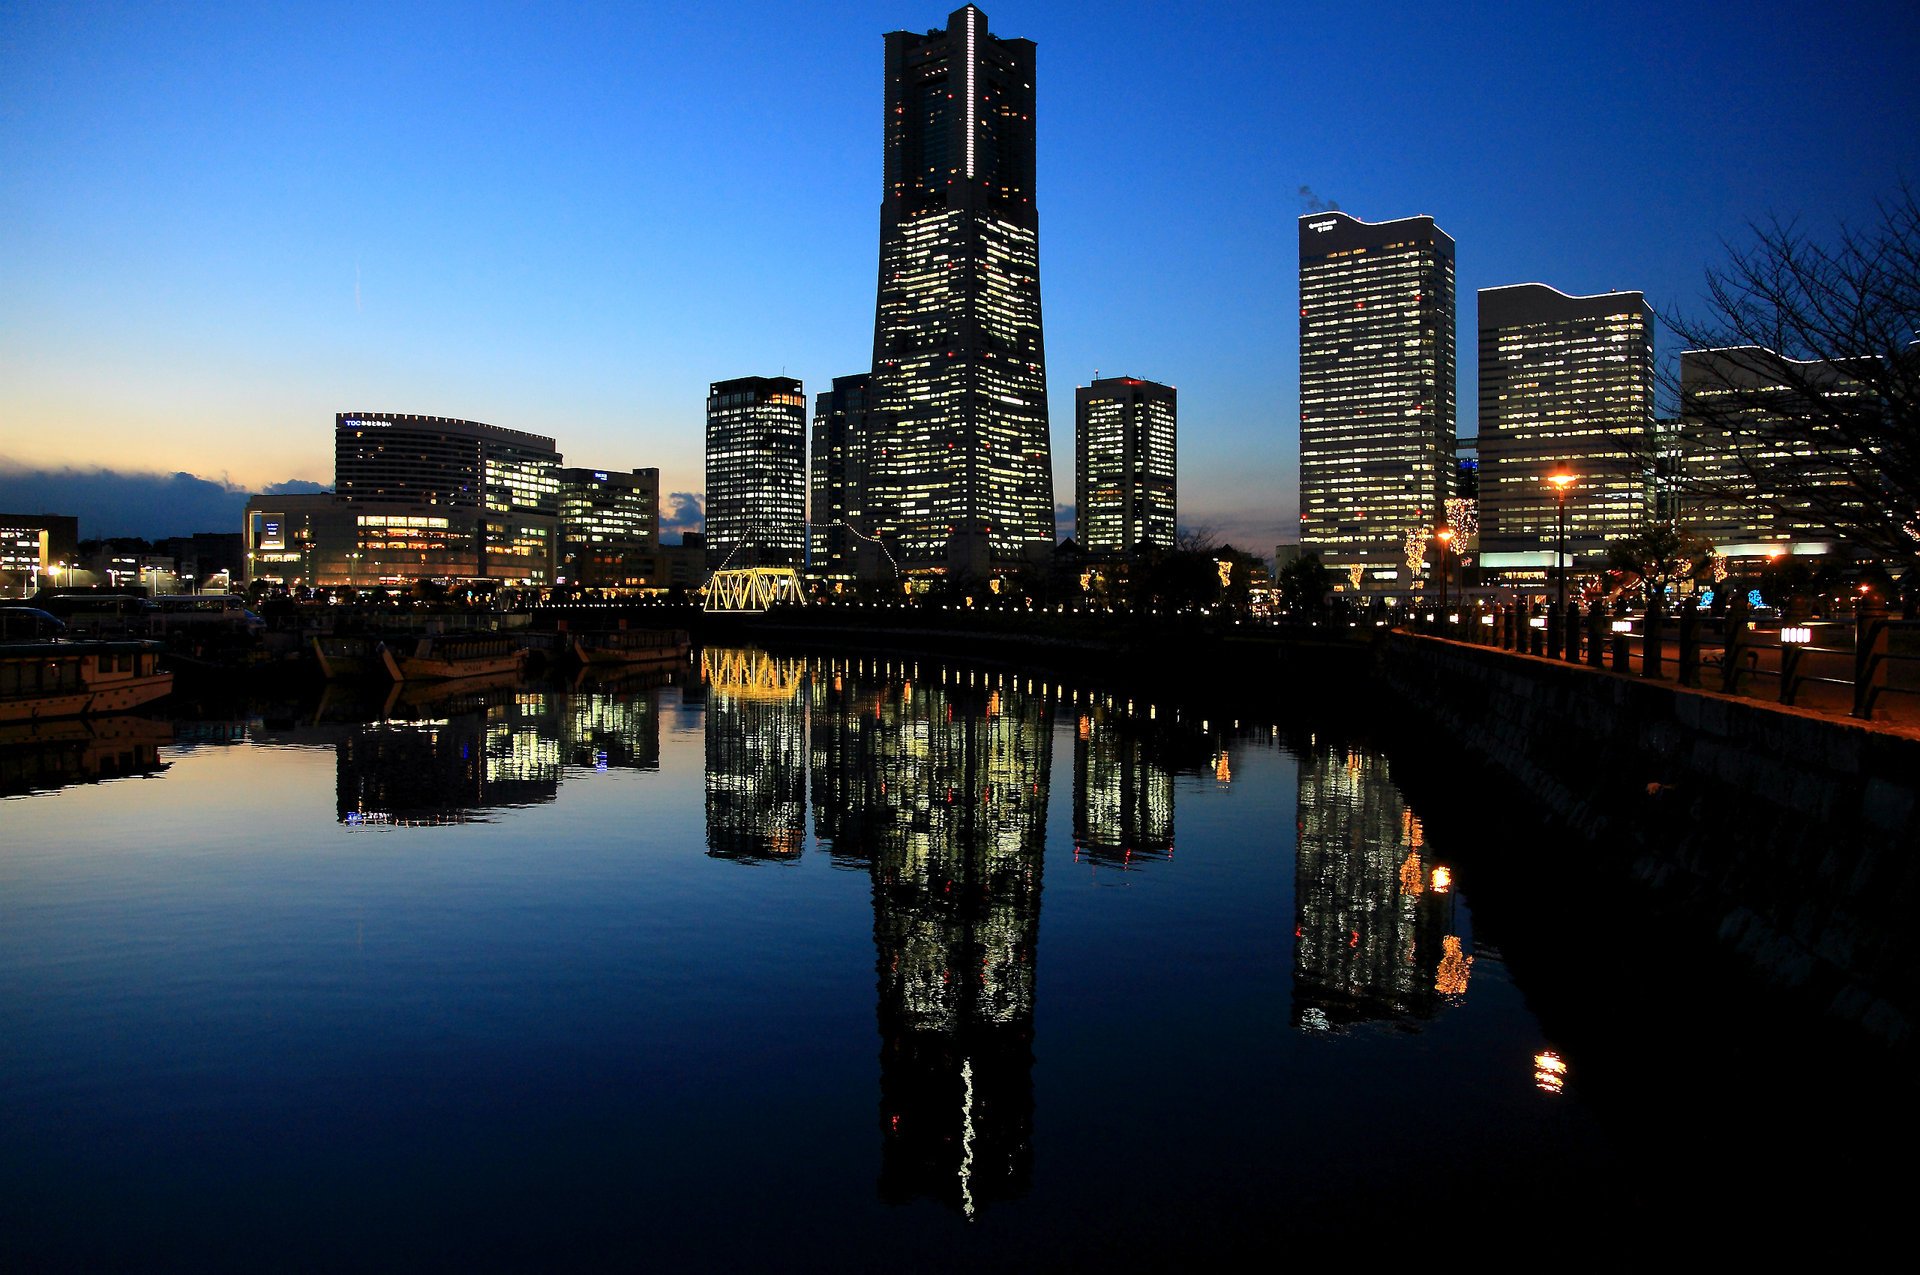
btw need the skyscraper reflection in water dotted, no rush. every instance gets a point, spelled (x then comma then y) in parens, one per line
(756, 756)
(615, 727)
(465, 753)
(1373, 915)
(940, 787)
(1122, 790)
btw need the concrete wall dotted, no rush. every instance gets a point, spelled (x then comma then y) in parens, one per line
(1797, 837)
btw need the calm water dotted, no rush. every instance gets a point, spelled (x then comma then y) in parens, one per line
(802, 963)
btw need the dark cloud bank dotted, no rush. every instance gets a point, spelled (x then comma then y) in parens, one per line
(113, 502)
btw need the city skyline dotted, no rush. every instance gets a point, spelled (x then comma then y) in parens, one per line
(384, 222)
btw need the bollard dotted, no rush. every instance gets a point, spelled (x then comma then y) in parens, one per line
(1510, 626)
(1553, 631)
(1790, 654)
(1622, 652)
(1596, 635)
(1690, 645)
(1571, 627)
(1537, 639)
(1735, 654)
(1869, 659)
(1650, 643)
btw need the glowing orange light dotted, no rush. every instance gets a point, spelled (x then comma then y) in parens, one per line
(1442, 879)
(1560, 483)
(1455, 967)
(1549, 1072)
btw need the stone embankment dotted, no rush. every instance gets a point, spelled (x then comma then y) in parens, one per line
(1795, 835)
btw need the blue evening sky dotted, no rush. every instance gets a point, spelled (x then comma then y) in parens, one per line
(221, 224)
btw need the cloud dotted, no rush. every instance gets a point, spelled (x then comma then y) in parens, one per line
(294, 487)
(681, 512)
(113, 502)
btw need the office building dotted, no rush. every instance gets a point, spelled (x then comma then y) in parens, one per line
(1376, 392)
(1566, 387)
(512, 478)
(756, 510)
(962, 468)
(609, 528)
(837, 515)
(1124, 435)
(1754, 479)
(415, 498)
(36, 549)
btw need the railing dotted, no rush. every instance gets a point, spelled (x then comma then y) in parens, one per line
(1862, 668)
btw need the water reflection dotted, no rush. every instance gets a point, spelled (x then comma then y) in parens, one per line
(756, 756)
(1373, 918)
(44, 756)
(940, 785)
(614, 725)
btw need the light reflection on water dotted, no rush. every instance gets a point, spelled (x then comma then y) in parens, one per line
(535, 969)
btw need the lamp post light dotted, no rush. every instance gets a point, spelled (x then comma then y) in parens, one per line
(1443, 534)
(1561, 483)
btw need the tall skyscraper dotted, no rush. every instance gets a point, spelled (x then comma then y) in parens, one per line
(962, 459)
(1124, 435)
(1566, 386)
(1376, 392)
(837, 506)
(756, 512)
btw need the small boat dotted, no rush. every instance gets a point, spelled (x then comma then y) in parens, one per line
(444, 656)
(347, 656)
(41, 680)
(632, 646)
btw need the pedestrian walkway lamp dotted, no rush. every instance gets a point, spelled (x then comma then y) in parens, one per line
(1561, 484)
(1443, 534)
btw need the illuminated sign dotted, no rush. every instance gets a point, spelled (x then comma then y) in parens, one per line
(1322, 226)
(270, 535)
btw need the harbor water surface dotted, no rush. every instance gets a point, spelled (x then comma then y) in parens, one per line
(847, 963)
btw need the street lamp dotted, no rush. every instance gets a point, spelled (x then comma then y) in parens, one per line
(1444, 535)
(1561, 483)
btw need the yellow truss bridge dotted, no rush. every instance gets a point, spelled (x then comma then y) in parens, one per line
(751, 589)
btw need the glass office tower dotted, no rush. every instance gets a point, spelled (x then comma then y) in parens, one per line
(962, 466)
(1376, 392)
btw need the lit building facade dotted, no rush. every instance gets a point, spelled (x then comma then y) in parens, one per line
(961, 463)
(837, 502)
(1744, 483)
(33, 547)
(1376, 392)
(1125, 431)
(1566, 386)
(756, 510)
(415, 498)
(609, 528)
